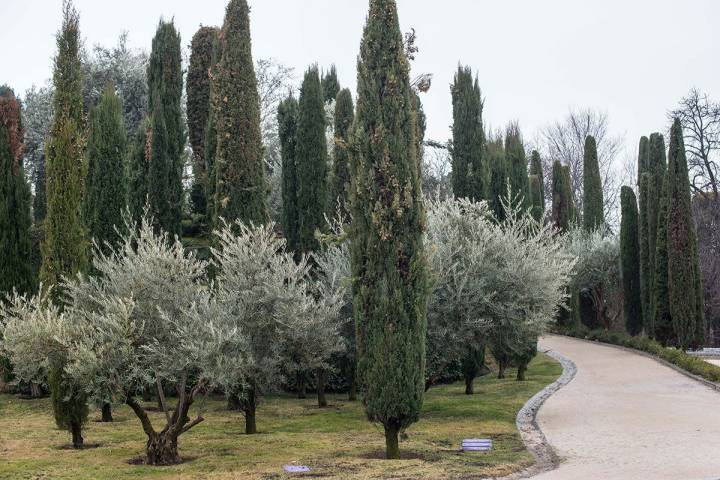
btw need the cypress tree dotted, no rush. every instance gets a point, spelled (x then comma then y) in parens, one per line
(593, 216)
(330, 85)
(287, 131)
(537, 169)
(643, 157)
(562, 208)
(497, 189)
(16, 271)
(388, 258)
(683, 270)
(630, 261)
(105, 184)
(536, 198)
(211, 133)
(198, 110)
(468, 137)
(344, 116)
(137, 171)
(167, 144)
(65, 244)
(239, 171)
(311, 161)
(517, 166)
(647, 267)
(662, 325)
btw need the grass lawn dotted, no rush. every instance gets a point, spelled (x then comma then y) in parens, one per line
(337, 442)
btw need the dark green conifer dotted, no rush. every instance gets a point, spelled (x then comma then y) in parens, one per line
(330, 85)
(593, 215)
(537, 169)
(630, 261)
(536, 198)
(517, 170)
(137, 171)
(240, 190)
(311, 161)
(643, 157)
(647, 268)
(661, 321)
(562, 206)
(468, 144)
(287, 131)
(340, 188)
(497, 190)
(388, 257)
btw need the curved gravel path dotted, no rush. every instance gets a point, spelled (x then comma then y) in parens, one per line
(625, 416)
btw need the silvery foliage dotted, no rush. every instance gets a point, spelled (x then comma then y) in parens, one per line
(491, 281)
(598, 259)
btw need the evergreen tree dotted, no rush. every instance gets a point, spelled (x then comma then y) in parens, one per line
(311, 161)
(643, 157)
(330, 85)
(105, 184)
(16, 271)
(662, 325)
(630, 261)
(340, 188)
(647, 268)
(537, 169)
(468, 137)
(683, 269)
(497, 190)
(388, 257)
(517, 165)
(198, 110)
(562, 207)
(211, 133)
(167, 144)
(240, 190)
(137, 170)
(536, 198)
(287, 131)
(40, 200)
(593, 216)
(65, 245)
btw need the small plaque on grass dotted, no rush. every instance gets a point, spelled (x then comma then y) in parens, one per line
(296, 468)
(476, 445)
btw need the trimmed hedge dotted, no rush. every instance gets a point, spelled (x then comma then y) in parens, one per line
(689, 363)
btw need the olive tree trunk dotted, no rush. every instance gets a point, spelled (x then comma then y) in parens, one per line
(321, 380)
(107, 413)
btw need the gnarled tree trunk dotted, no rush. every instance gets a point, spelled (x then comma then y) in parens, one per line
(107, 413)
(249, 407)
(469, 385)
(162, 449)
(321, 380)
(522, 368)
(77, 439)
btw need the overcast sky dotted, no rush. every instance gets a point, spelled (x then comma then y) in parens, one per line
(535, 58)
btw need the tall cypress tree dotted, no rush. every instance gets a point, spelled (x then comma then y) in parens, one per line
(137, 169)
(517, 165)
(388, 257)
(211, 132)
(105, 184)
(344, 116)
(330, 85)
(311, 161)
(65, 245)
(497, 189)
(647, 268)
(643, 157)
(630, 261)
(537, 169)
(468, 176)
(239, 170)
(167, 144)
(683, 269)
(536, 198)
(662, 325)
(16, 270)
(287, 131)
(593, 216)
(562, 208)
(198, 110)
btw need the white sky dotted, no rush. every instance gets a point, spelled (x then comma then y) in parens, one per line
(535, 59)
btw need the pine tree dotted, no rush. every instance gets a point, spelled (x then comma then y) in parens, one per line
(537, 169)
(105, 184)
(65, 244)
(198, 110)
(536, 198)
(683, 269)
(340, 188)
(16, 271)
(330, 85)
(593, 216)
(167, 145)
(311, 161)
(239, 171)
(468, 175)
(517, 166)
(562, 207)
(497, 190)
(388, 258)
(287, 131)
(630, 261)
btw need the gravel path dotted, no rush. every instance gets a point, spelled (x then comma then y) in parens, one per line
(625, 416)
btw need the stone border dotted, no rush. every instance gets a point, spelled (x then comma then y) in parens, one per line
(534, 439)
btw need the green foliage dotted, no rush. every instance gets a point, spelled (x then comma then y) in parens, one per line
(647, 268)
(683, 269)
(69, 402)
(15, 221)
(388, 256)
(287, 131)
(562, 206)
(468, 143)
(330, 85)
(340, 187)
(660, 300)
(630, 261)
(64, 249)
(311, 161)
(643, 157)
(517, 165)
(198, 109)
(537, 169)
(239, 170)
(593, 214)
(167, 140)
(536, 198)
(497, 190)
(106, 186)
(137, 170)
